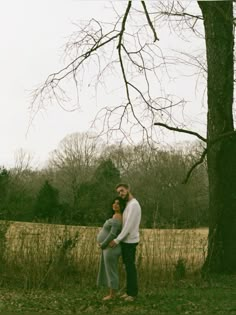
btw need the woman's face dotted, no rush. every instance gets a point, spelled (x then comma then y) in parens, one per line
(116, 205)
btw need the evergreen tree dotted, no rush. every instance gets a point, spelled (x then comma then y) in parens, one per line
(4, 183)
(47, 203)
(95, 196)
(107, 173)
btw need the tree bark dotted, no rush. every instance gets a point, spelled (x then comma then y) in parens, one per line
(221, 157)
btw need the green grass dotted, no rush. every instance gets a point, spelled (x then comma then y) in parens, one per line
(214, 296)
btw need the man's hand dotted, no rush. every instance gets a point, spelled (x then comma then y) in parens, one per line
(112, 244)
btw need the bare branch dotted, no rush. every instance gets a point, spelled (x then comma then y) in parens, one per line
(123, 23)
(210, 144)
(115, 48)
(200, 161)
(182, 14)
(182, 130)
(127, 83)
(149, 21)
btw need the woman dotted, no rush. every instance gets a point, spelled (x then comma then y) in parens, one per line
(108, 266)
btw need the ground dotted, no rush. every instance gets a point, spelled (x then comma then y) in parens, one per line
(214, 296)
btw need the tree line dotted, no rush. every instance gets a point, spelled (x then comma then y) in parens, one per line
(77, 184)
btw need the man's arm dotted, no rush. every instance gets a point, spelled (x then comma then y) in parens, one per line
(132, 217)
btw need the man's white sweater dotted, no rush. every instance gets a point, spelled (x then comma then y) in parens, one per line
(131, 220)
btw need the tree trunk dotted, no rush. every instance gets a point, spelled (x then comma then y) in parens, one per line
(221, 157)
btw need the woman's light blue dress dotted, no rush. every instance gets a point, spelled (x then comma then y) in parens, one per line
(108, 266)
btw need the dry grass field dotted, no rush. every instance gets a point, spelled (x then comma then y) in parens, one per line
(52, 269)
(47, 252)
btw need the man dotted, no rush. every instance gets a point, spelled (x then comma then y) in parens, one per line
(129, 239)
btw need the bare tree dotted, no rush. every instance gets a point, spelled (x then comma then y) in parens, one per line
(132, 44)
(72, 163)
(23, 161)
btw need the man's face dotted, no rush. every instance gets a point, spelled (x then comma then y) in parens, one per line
(123, 193)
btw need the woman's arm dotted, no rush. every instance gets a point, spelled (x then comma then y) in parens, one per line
(115, 229)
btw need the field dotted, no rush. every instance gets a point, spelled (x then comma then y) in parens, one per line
(51, 269)
(50, 253)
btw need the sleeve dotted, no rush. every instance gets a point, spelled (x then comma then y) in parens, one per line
(129, 224)
(115, 227)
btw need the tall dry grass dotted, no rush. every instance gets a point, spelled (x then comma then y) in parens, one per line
(167, 254)
(42, 255)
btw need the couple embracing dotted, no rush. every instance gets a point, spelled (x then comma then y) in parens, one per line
(120, 236)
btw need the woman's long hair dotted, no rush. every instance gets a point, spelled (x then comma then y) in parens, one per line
(122, 204)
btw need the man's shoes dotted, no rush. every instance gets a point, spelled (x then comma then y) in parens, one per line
(108, 297)
(129, 298)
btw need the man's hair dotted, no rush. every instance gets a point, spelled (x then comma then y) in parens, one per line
(123, 185)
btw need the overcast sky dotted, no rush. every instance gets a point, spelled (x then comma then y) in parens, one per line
(32, 37)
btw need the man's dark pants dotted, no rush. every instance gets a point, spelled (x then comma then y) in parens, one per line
(128, 256)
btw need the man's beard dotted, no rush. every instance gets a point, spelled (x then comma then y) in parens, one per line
(126, 197)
